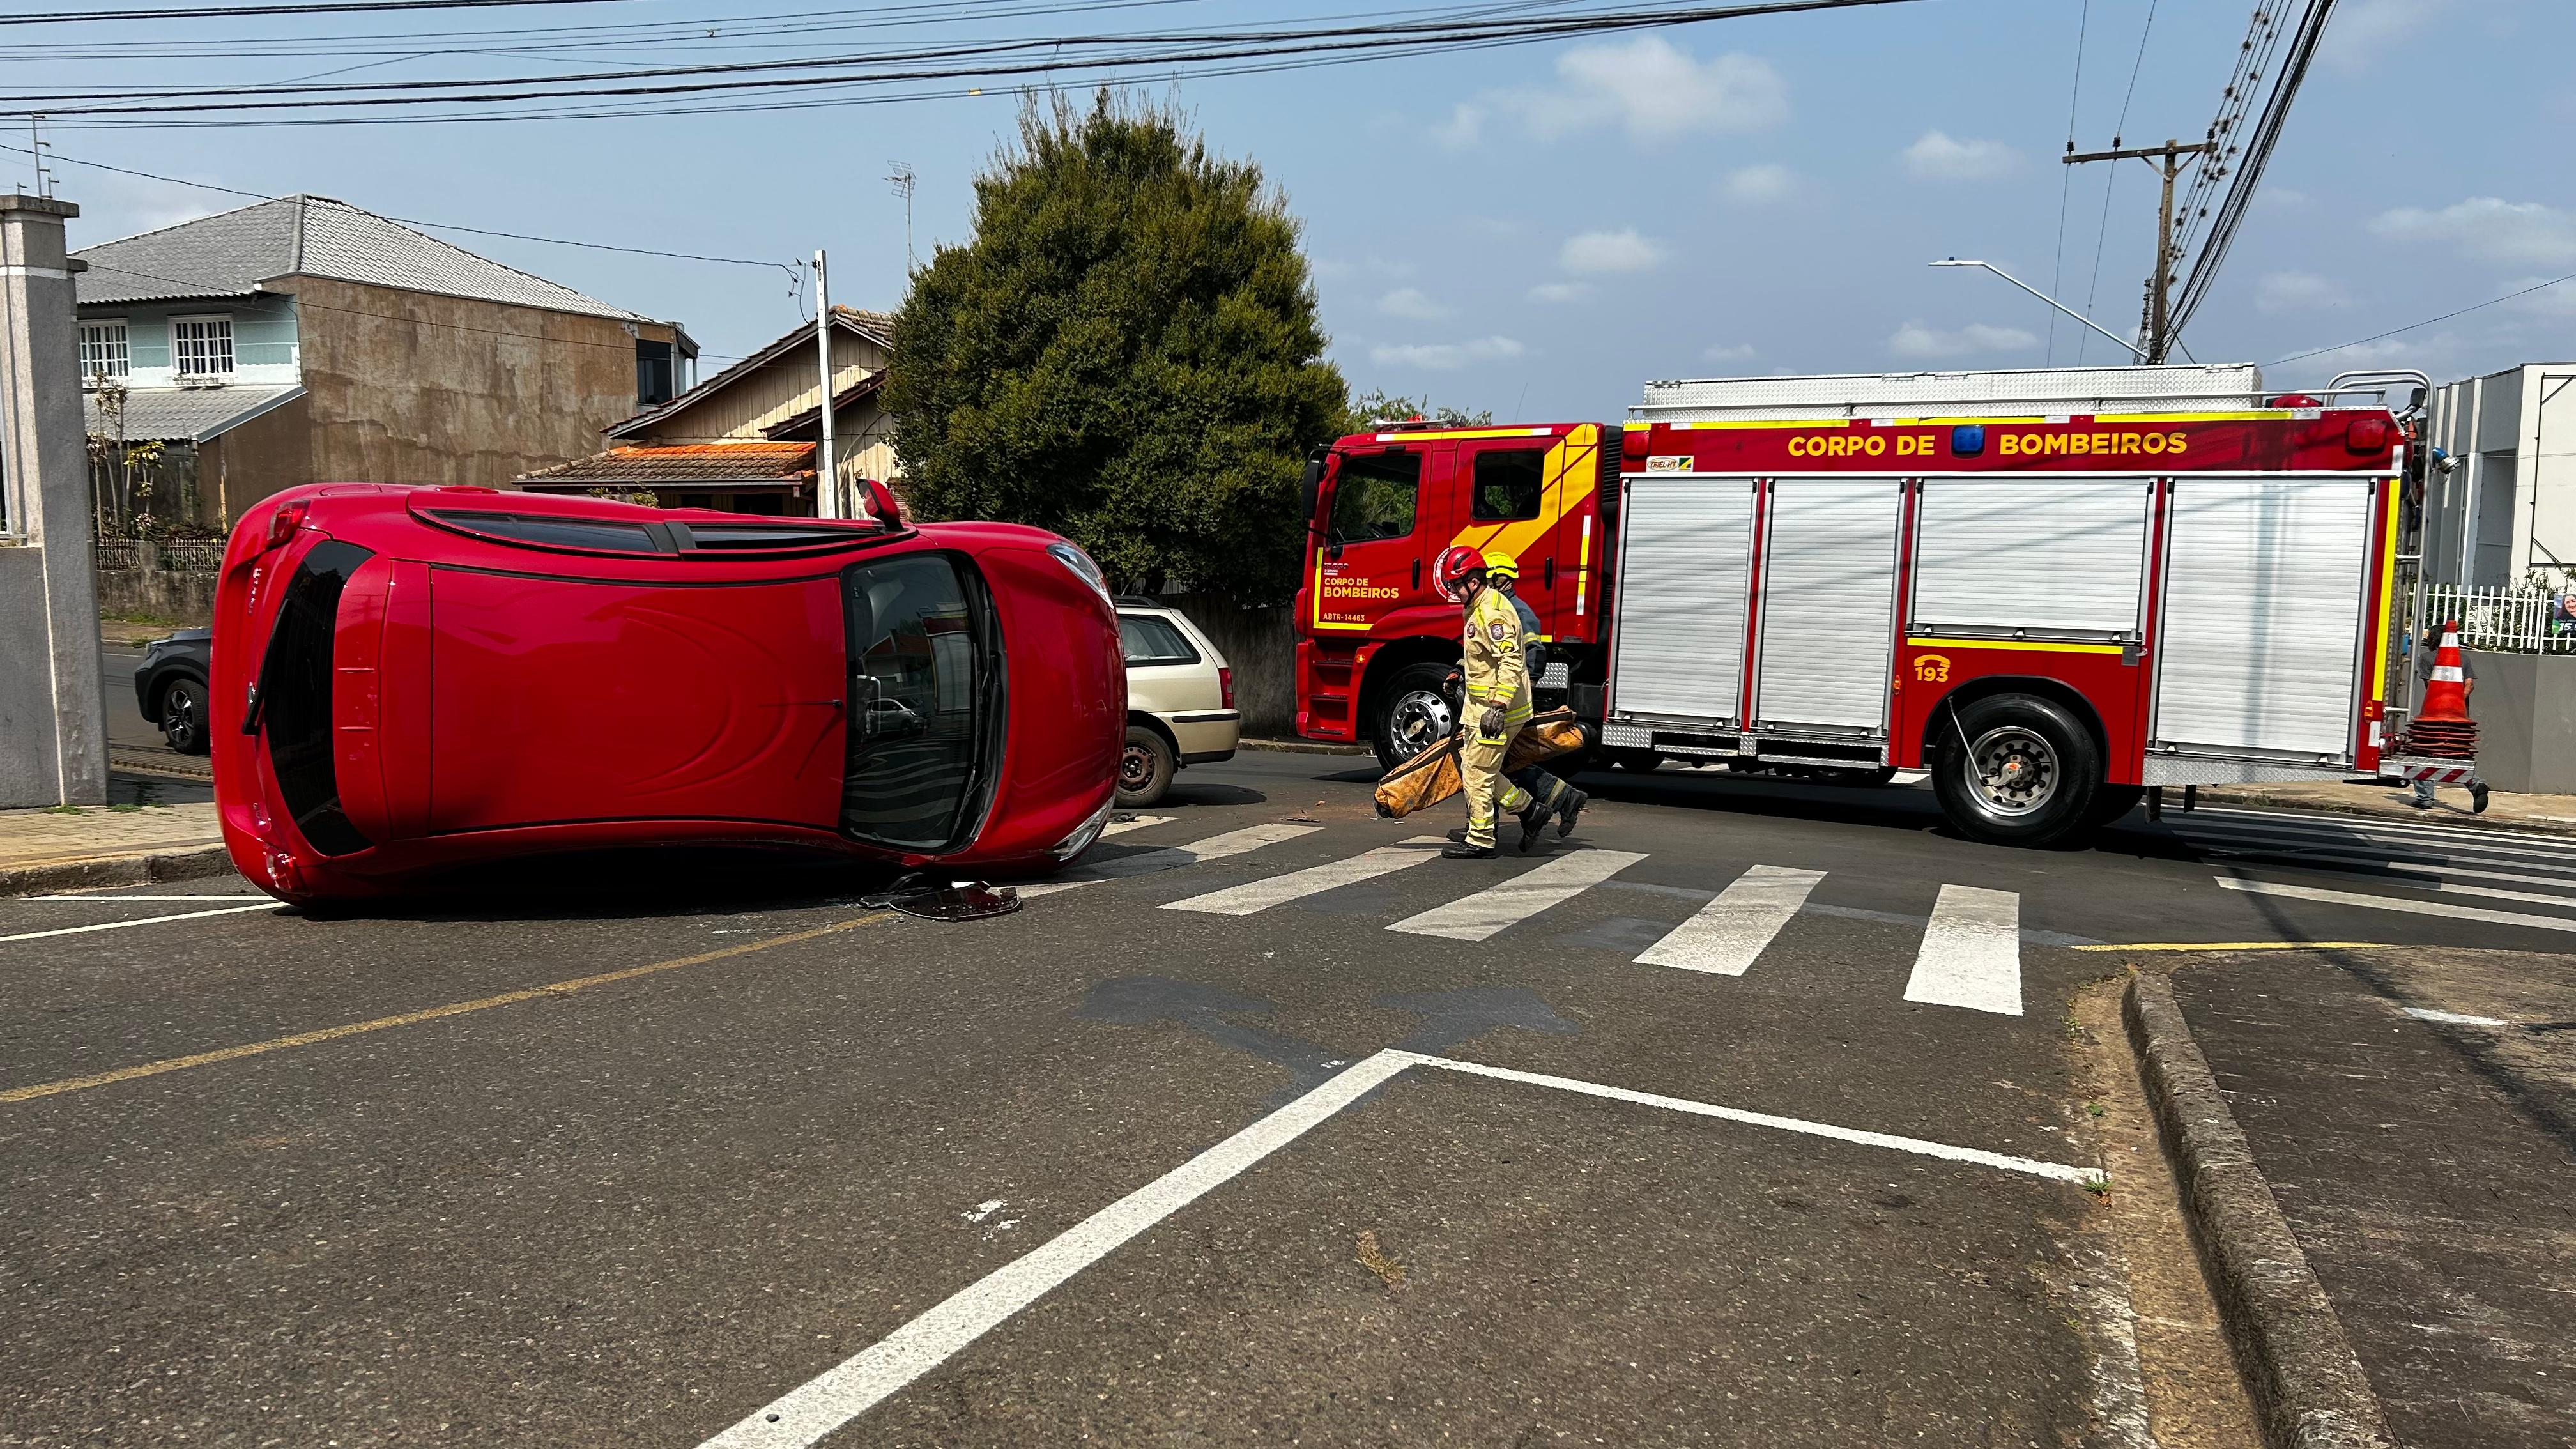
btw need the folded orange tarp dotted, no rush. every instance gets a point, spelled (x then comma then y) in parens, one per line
(1432, 776)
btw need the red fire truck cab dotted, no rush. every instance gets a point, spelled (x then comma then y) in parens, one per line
(2050, 590)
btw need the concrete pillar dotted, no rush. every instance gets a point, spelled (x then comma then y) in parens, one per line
(53, 719)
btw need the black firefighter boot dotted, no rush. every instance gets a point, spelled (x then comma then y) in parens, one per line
(1575, 800)
(1461, 850)
(1533, 820)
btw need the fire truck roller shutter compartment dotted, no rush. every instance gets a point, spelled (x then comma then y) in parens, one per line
(2263, 602)
(2056, 558)
(1828, 604)
(1685, 566)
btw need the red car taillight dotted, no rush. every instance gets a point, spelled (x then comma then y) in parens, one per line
(1224, 688)
(283, 523)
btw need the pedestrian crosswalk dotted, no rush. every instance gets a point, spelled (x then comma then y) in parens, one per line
(1733, 928)
(1969, 955)
(2391, 865)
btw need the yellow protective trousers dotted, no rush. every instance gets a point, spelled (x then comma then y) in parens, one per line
(1480, 771)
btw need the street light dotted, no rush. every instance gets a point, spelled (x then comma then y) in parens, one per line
(2135, 350)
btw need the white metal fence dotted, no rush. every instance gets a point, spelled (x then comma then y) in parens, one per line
(2508, 620)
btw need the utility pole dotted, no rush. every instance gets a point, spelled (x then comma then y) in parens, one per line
(827, 477)
(2160, 281)
(901, 176)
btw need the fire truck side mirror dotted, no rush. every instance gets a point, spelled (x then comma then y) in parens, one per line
(1311, 488)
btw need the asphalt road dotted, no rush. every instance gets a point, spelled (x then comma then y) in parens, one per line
(645, 1157)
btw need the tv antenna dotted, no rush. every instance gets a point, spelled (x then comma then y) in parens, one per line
(902, 177)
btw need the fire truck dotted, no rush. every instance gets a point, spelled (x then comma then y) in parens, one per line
(2052, 590)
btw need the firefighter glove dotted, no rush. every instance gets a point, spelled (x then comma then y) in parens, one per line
(1490, 723)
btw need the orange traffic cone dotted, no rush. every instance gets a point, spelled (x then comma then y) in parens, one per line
(2442, 728)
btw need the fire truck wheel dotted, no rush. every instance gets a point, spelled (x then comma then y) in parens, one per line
(1414, 713)
(2027, 775)
(1643, 762)
(2113, 801)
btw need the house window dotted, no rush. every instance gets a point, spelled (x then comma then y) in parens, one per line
(204, 345)
(102, 349)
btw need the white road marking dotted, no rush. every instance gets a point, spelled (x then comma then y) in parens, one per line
(1971, 953)
(1121, 827)
(1172, 857)
(1261, 895)
(815, 1409)
(94, 899)
(145, 921)
(1921, 1147)
(1479, 916)
(2487, 841)
(2373, 864)
(1731, 930)
(850, 1388)
(2320, 820)
(2392, 903)
(2452, 1018)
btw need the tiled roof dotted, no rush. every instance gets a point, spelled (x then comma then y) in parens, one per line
(185, 414)
(686, 463)
(877, 327)
(230, 253)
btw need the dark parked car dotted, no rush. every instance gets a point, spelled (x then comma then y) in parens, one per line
(170, 686)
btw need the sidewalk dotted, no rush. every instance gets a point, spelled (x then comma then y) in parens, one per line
(107, 845)
(2421, 1164)
(2539, 814)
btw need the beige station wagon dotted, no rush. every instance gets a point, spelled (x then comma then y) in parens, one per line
(1180, 700)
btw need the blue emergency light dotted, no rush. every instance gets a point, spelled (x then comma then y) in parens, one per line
(1967, 440)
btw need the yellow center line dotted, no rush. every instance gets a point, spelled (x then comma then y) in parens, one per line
(2236, 946)
(410, 1018)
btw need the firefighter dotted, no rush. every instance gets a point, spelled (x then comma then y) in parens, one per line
(1558, 798)
(1497, 703)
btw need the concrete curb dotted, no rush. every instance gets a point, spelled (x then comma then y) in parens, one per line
(2307, 1387)
(116, 870)
(1302, 747)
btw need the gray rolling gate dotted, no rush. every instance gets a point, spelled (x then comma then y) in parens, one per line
(2259, 671)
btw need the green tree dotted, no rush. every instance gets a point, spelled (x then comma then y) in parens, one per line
(1377, 405)
(1125, 353)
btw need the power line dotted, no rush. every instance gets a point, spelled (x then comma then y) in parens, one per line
(1352, 42)
(2427, 322)
(333, 7)
(2249, 170)
(2110, 181)
(2066, 175)
(415, 221)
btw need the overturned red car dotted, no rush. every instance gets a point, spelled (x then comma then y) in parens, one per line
(409, 680)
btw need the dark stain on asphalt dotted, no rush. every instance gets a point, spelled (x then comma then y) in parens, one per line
(1144, 1000)
(1452, 1017)
(1449, 1018)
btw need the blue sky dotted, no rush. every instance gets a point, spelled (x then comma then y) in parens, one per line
(1539, 230)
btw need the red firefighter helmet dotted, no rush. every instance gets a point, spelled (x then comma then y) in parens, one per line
(1457, 562)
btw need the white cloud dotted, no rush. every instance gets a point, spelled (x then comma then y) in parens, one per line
(1446, 356)
(1411, 302)
(1655, 91)
(1936, 157)
(2489, 229)
(1720, 352)
(1464, 128)
(1918, 341)
(2295, 292)
(1754, 185)
(1555, 292)
(1611, 251)
(2364, 31)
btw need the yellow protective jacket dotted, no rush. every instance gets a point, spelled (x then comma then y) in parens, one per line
(1497, 670)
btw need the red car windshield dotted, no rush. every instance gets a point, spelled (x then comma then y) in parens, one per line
(925, 702)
